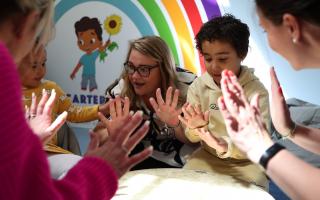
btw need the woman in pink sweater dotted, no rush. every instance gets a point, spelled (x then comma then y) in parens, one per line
(24, 172)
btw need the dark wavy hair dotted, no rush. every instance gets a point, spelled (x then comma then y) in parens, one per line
(226, 29)
(307, 10)
(86, 23)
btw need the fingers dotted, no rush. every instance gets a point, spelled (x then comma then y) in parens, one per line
(126, 108)
(104, 120)
(33, 107)
(112, 106)
(159, 97)
(233, 96)
(42, 102)
(197, 109)
(26, 112)
(137, 136)
(48, 106)
(137, 158)
(255, 102)
(175, 99)
(118, 106)
(274, 78)
(58, 122)
(130, 124)
(154, 104)
(168, 96)
(94, 142)
(191, 110)
(276, 89)
(186, 114)
(206, 115)
(229, 120)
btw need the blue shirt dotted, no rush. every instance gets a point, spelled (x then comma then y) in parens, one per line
(89, 63)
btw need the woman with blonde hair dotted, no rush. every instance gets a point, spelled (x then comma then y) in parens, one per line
(24, 172)
(149, 74)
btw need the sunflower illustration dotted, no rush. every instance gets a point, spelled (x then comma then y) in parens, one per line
(112, 24)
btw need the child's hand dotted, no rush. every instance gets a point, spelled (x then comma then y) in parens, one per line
(193, 117)
(105, 108)
(119, 110)
(72, 76)
(219, 144)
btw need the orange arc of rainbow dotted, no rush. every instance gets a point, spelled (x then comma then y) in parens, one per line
(184, 36)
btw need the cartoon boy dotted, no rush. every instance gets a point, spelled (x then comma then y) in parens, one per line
(89, 34)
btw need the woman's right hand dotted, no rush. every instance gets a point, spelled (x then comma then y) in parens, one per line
(39, 119)
(280, 114)
(116, 149)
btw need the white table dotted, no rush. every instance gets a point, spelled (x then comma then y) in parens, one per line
(176, 184)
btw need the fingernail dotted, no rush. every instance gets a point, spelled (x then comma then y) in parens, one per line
(147, 123)
(131, 112)
(140, 112)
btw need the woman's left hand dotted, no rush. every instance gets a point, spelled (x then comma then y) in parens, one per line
(167, 110)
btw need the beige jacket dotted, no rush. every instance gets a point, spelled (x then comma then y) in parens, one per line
(205, 92)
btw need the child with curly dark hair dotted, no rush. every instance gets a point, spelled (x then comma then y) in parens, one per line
(223, 42)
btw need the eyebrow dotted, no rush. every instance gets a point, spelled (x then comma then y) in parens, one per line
(143, 65)
(217, 54)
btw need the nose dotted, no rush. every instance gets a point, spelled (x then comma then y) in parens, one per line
(136, 74)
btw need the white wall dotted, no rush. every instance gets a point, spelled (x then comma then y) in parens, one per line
(296, 84)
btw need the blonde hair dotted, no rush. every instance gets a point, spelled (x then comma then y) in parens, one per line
(155, 47)
(45, 26)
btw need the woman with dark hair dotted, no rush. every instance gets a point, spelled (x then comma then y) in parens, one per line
(293, 30)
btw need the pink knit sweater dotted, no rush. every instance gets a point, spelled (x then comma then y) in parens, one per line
(24, 172)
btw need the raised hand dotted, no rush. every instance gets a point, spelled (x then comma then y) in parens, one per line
(243, 120)
(193, 117)
(118, 146)
(167, 110)
(279, 110)
(119, 111)
(39, 117)
(217, 143)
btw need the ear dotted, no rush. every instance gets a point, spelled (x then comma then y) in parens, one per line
(293, 26)
(25, 24)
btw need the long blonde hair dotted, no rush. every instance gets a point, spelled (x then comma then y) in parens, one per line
(45, 26)
(155, 47)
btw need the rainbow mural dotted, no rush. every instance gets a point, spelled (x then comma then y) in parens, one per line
(176, 21)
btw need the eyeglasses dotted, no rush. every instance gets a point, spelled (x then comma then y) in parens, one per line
(143, 70)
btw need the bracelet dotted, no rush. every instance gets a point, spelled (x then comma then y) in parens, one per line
(290, 132)
(269, 153)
